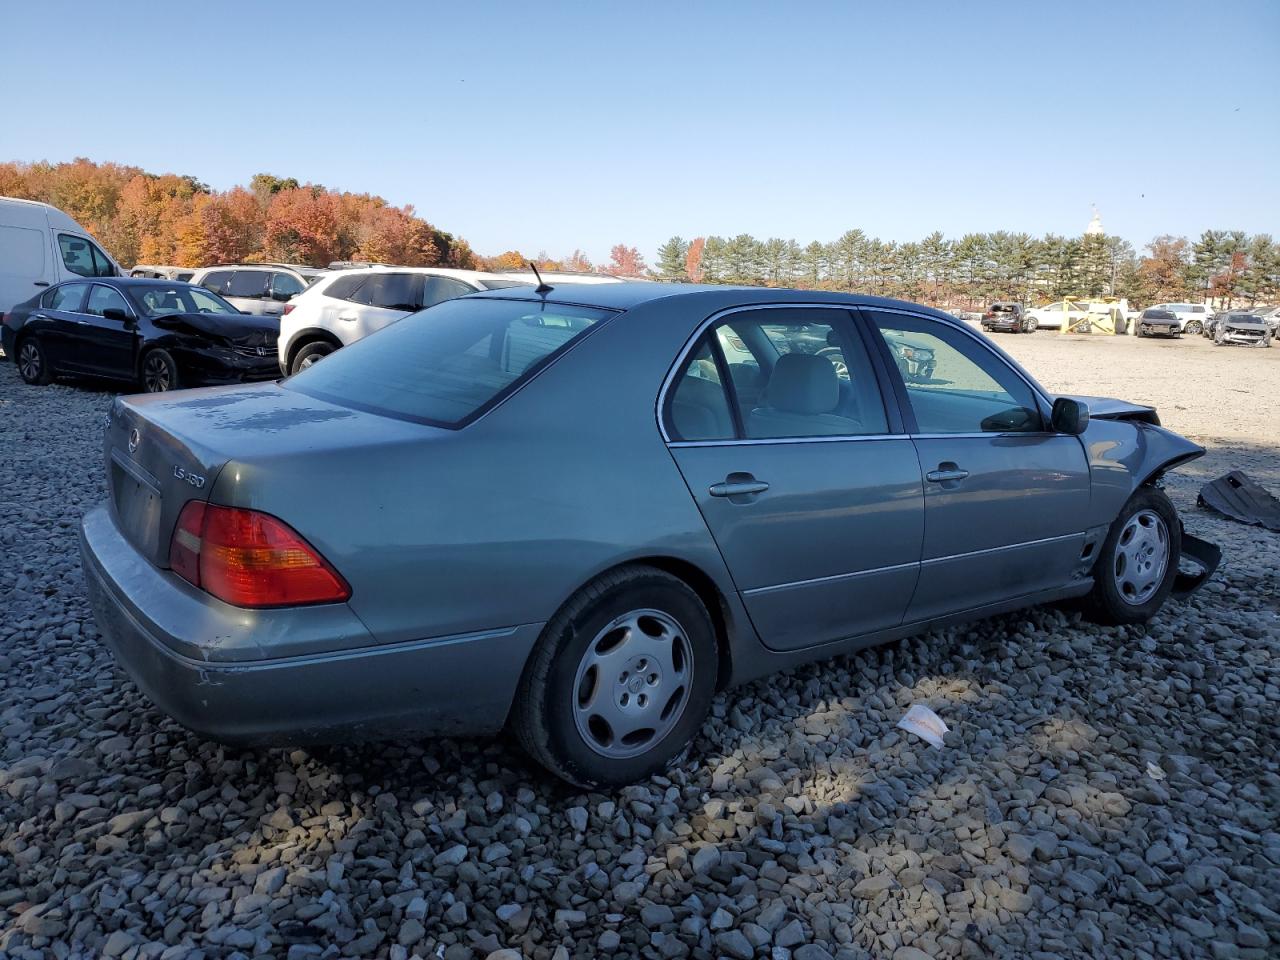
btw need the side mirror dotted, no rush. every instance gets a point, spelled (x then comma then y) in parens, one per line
(1069, 416)
(116, 314)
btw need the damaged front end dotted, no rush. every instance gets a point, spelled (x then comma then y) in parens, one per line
(1128, 448)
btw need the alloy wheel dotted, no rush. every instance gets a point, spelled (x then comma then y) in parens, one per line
(155, 374)
(29, 362)
(632, 684)
(1193, 327)
(1142, 556)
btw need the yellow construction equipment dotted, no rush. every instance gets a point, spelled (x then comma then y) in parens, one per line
(1103, 315)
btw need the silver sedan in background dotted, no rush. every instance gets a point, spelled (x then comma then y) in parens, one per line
(578, 512)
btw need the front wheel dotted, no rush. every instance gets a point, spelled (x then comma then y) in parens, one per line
(1193, 327)
(619, 681)
(1138, 561)
(33, 365)
(159, 372)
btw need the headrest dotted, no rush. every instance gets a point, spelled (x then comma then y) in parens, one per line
(804, 383)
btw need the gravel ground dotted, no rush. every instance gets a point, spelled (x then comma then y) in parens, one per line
(1102, 792)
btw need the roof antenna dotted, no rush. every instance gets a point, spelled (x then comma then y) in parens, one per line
(542, 287)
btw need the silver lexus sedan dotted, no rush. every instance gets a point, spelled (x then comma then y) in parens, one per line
(578, 512)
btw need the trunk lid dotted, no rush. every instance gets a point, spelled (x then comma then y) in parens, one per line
(164, 449)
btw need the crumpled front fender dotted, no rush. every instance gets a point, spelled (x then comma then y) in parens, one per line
(1123, 455)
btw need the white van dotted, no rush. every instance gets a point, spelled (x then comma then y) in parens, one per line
(40, 246)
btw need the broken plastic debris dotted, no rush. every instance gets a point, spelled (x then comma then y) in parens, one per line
(1154, 772)
(924, 723)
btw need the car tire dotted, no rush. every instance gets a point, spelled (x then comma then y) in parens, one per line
(158, 371)
(1129, 584)
(1193, 327)
(311, 353)
(1138, 332)
(660, 684)
(32, 361)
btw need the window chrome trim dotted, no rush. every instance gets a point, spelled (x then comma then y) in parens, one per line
(849, 309)
(1008, 546)
(763, 441)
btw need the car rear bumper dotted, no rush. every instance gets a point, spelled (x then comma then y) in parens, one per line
(1158, 330)
(219, 670)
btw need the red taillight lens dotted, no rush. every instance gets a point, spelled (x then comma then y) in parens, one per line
(288, 309)
(250, 559)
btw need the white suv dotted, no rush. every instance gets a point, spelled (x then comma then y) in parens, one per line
(1194, 317)
(345, 305)
(258, 288)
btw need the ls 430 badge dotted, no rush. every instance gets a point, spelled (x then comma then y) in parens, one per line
(194, 479)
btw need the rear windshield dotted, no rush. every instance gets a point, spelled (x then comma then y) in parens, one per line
(1002, 308)
(446, 365)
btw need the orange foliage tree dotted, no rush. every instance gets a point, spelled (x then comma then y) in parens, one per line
(142, 217)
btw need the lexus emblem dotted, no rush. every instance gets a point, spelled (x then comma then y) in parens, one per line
(135, 438)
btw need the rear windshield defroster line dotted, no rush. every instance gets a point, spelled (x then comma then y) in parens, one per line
(449, 364)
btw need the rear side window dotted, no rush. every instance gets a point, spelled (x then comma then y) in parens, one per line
(68, 297)
(248, 283)
(390, 291)
(343, 287)
(698, 408)
(447, 365)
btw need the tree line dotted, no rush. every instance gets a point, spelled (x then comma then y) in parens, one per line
(142, 217)
(1226, 265)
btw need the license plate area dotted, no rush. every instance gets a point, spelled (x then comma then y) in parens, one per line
(135, 496)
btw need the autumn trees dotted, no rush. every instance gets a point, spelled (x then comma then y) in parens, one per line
(147, 218)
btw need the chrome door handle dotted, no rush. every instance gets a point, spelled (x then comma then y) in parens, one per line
(942, 476)
(737, 488)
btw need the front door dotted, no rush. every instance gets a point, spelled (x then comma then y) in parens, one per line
(106, 344)
(812, 492)
(1005, 497)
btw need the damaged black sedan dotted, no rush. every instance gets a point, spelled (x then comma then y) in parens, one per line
(155, 334)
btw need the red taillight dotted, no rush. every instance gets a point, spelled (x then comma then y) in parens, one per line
(288, 309)
(250, 559)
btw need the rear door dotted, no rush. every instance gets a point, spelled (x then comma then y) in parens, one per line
(107, 345)
(26, 264)
(384, 297)
(1005, 497)
(778, 423)
(59, 323)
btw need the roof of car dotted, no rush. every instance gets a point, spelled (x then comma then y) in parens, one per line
(625, 296)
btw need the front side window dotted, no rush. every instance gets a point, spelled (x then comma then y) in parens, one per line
(390, 291)
(251, 284)
(68, 297)
(83, 258)
(954, 384)
(158, 300)
(102, 299)
(439, 289)
(447, 365)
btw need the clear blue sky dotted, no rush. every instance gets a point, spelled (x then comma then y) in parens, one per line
(551, 126)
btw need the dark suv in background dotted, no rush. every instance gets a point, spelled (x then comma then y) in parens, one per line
(1007, 317)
